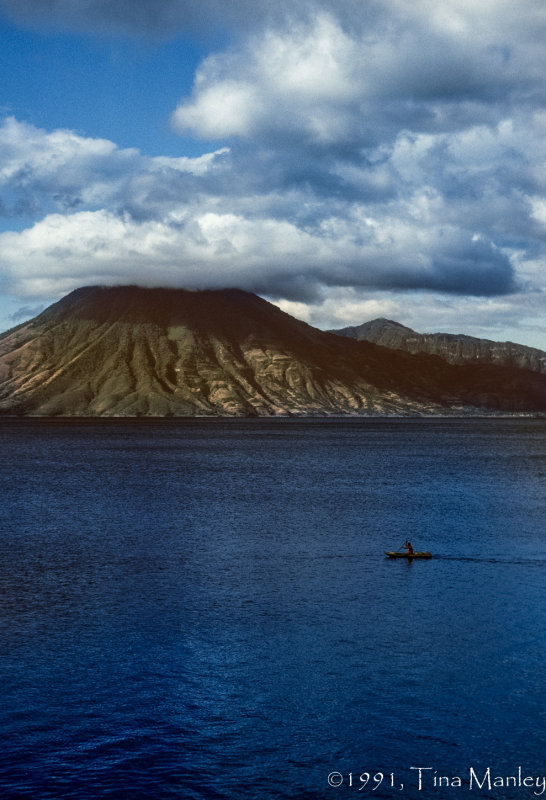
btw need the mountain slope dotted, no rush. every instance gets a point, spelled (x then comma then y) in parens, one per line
(130, 351)
(454, 348)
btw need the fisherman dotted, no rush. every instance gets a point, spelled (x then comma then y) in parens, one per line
(409, 547)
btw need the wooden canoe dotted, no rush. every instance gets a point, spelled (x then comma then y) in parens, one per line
(416, 554)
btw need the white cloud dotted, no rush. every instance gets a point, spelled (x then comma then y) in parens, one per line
(344, 307)
(28, 153)
(512, 318)
(194, 249)
(297, 81)
(421, 65)
(366, 153)
(42, 171)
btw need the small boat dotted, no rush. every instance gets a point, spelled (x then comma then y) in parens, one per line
(416, 554)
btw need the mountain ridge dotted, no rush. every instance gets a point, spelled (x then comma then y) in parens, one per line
(455, 348)
(130, 351)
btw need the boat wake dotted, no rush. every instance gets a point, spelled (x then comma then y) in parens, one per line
(524, 562)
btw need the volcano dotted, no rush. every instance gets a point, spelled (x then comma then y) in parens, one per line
(131, 351)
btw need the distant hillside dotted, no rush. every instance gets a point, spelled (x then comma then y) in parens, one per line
(454, 348)
(128, 351)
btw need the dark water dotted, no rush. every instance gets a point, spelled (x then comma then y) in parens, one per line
(202, 609)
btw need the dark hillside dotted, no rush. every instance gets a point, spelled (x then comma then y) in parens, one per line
(130, 351)
(453, 348)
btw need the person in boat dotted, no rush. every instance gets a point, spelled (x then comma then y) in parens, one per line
(409, 547)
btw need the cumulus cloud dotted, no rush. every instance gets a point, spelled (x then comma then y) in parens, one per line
(363, 151)
(303, 82)
(42, 171)
(200, 248)
(323, 84)
(115, 215)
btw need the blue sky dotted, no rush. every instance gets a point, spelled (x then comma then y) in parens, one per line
(118, 88)
(345, 159)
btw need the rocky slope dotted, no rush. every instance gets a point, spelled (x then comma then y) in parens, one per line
(454, 348)
(129, 351)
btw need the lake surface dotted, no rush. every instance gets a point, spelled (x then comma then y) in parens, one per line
(202, 609)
